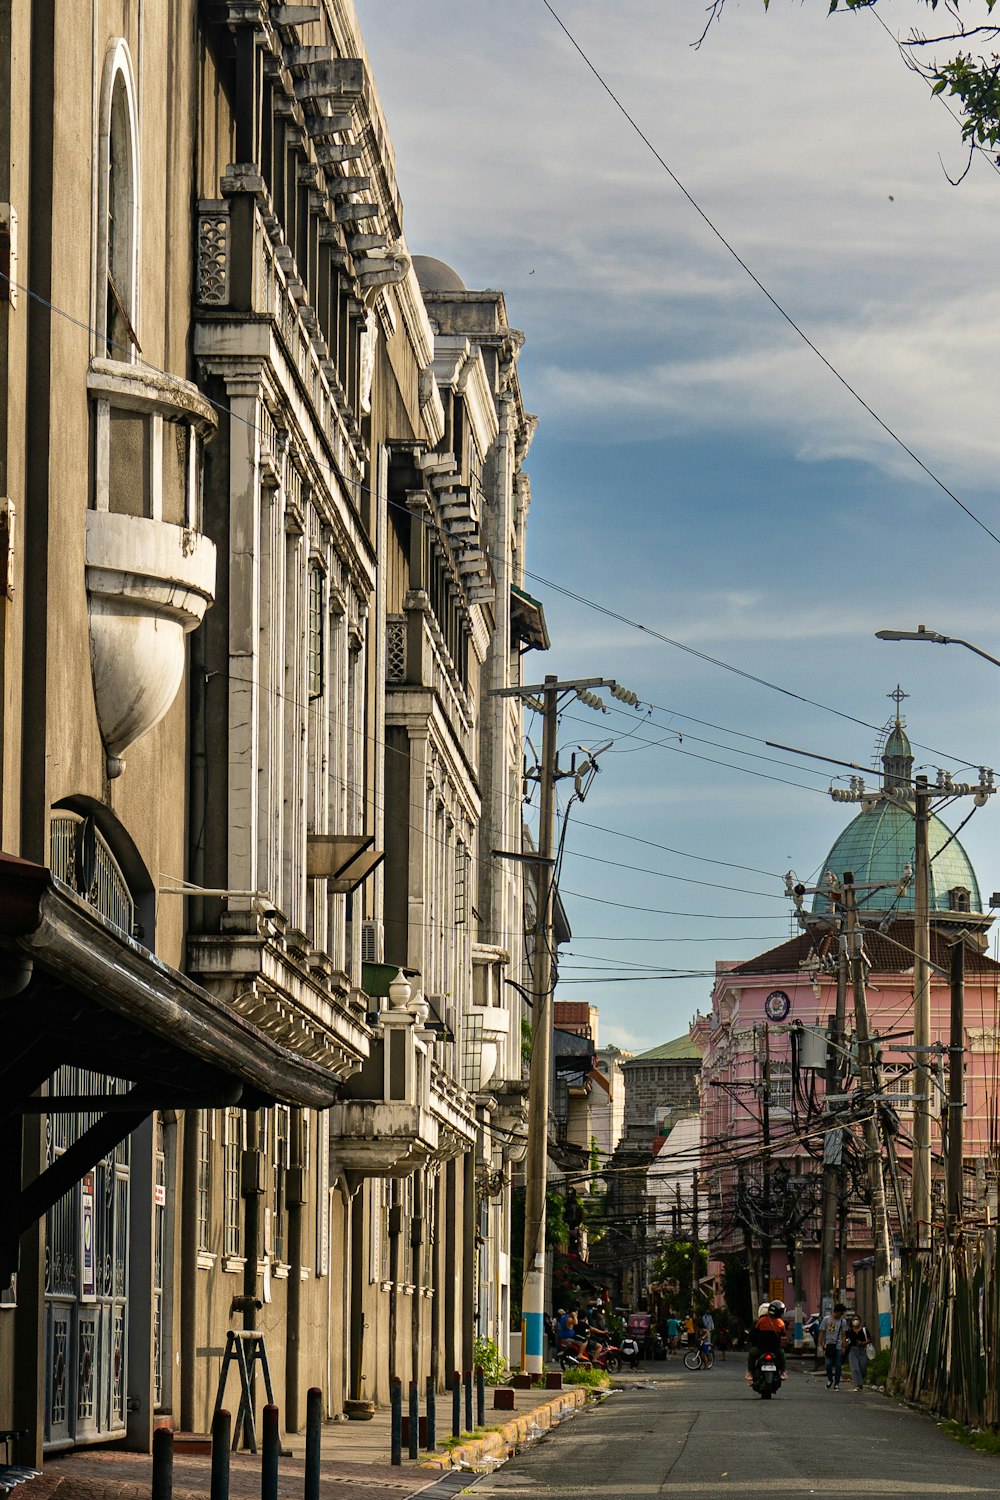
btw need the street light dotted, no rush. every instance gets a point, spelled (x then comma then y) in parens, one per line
(923, 634)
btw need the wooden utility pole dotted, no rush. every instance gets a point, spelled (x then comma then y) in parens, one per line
(536, 1160)
(694, 1239)
(920, 1215)
(831, 1156)
(765, 1122)
(956, 1089)
(873, 1141)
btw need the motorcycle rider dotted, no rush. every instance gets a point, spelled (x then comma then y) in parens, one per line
(768, 1337)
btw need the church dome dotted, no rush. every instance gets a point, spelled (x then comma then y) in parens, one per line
(878, 845)
(435, 276)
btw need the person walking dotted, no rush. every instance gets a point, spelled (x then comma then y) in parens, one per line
(857, 1351)
(673, 1333)
(833, 1336)
(722, 1340)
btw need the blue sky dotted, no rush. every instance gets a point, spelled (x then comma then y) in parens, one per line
(696, 467)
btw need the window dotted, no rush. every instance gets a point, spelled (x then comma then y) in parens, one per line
(898, 1084)
(118, 216)
(204, 1177)
(280, 1180)
(781, 1087)
(960, 898)
(315, 631)
(80, 855)
(232, 1158)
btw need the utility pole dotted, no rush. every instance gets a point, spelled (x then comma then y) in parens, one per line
(694, 1239)
(920, 1215)
(956, 1089)
(831, 1155)
(536, 1161)
(873, 1144)
(765, 1124)
(545, 698)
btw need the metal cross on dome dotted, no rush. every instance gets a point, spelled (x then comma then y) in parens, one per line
(898, 695)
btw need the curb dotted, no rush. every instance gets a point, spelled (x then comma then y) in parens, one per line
(507, 1439)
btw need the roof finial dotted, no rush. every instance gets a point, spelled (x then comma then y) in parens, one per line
(898, 695)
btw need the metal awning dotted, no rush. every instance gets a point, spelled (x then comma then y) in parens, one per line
(343, 860)
(527, 620)
(76, 991)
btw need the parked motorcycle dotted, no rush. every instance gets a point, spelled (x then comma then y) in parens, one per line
(766, 1377)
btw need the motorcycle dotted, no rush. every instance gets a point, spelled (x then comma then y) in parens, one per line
(766, 1377)
(576, 1354)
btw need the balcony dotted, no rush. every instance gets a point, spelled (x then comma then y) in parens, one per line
(150, 573)
(402, 1111)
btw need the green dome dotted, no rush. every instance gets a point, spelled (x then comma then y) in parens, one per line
(879, 844)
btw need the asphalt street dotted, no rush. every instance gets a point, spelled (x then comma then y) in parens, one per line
(697, 1434)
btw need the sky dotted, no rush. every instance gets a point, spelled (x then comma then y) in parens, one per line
(697, 467)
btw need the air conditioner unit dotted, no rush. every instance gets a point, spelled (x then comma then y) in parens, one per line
(372, 942)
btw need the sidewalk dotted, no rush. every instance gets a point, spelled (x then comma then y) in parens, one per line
(355, 1459)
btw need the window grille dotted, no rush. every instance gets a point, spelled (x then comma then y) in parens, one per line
(395, 649)
(316, 663)
(461, 884)
(780, 1097)
(472, 1052)
(204, 1177)
(232, 1152)
(281, 1138)
(897, 1080)
(80, 856)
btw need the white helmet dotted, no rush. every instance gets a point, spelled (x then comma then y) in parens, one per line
(762, 1309)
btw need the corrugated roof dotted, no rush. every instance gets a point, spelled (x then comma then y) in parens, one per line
(890, 953)
(678, 1050)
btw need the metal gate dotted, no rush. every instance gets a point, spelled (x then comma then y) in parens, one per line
(86, 1282)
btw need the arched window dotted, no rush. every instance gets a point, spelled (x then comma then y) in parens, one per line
(118, 211)
(94, 854)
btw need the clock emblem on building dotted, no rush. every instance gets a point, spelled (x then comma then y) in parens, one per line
(777, 1005)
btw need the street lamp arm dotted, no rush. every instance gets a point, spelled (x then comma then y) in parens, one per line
(922, 634)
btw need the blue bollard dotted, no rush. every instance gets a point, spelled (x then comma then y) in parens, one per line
(431, 1415)
(480, 1397)
(270, 1447)
(396, 1420)
(456, 1404)
(468, 1401)
(222, 1436)
(314, 1431)
(163, 1464)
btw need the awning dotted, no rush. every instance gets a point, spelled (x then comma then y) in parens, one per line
(343, 860)
(76, 991)
(96, 998)
(527, 620)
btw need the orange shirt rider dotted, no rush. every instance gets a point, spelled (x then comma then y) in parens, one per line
(769, 1338)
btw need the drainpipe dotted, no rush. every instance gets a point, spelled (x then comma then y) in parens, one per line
(252, 1184)
(189, 1270)
(470, 1259)
(294, 1200)
(395, 1229)
(416, 1242)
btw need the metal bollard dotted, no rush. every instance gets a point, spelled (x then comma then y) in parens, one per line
(396, 1420)
(314, 1431)
(468, 1401)
(480, 1397)
(163, 1464)
(456, 1404)
(270, 1447)
(431, 1416)
(414, 1444)
(222, 1436)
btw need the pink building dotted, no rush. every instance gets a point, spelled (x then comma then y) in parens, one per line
(765, 1205)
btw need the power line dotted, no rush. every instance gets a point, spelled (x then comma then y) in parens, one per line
(760, 285)
(429, 523)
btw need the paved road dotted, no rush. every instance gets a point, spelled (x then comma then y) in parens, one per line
(707, 1434)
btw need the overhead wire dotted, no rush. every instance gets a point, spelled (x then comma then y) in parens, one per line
(759, 284)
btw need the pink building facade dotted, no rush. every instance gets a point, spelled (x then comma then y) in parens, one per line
(762, 1105)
